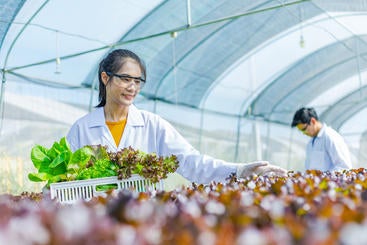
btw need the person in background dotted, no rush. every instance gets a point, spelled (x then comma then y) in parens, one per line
(117, 123)
(327, 150)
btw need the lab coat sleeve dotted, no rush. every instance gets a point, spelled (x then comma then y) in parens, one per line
(339, 153)
(73, 137)
(195, 167)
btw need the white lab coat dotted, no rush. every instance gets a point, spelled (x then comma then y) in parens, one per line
(150, 133)
(328, 151)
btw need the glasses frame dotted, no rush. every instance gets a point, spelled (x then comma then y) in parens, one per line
(305, 128)
(123, 78)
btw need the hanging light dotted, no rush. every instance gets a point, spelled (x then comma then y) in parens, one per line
(173, 34)
(57, 60)
(301, 41)
(58, 64)
(301, 38)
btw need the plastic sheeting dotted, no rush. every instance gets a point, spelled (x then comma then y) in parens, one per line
(228, 74)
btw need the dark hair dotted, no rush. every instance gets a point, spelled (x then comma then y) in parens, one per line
(304, 115)
(112, 63)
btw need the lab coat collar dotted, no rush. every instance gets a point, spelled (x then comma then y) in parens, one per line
(97, 117)
(322, 130)
(134, 117)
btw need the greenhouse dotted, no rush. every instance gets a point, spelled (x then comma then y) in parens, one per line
(228, 75)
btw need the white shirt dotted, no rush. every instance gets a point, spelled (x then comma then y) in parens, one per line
(150, 133)
(327, 151)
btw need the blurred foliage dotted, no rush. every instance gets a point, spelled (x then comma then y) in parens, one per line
(14, 175)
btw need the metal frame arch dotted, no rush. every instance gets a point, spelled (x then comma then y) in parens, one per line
(313, 79)
(4, 71)
(204, 39)
(342, 110)
(251, 101)
(269, 86)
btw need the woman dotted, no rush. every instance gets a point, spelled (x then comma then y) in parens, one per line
(117, 123)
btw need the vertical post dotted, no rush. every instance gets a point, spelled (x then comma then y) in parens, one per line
(358, 56)
(290, 149)
(258, 147)
(238, 138)
(91, 98)
(201, 129)
(2, 101)
(267, 155)
(174, 71)
(188, 12)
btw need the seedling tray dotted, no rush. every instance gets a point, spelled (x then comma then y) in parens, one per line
(71, 191)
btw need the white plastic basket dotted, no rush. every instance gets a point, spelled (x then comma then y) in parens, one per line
(71, 191)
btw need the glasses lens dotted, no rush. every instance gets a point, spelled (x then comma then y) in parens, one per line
(305, 128)
(142, 84)
(126, 80)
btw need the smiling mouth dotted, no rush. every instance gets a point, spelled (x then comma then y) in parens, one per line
(128, 96)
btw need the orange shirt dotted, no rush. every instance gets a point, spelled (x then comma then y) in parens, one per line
(117, 129)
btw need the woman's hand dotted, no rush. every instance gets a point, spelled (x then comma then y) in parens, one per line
(260, 168)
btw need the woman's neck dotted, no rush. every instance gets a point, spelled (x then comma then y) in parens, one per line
(115, 114)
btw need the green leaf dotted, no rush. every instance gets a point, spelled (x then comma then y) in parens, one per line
(138, 168)
(106, 187)
(58, 178)
(59, 147)
(58, 160)
(38, 177)
(39, 156)
(81, 157)
(51, 163)
(99, 152)
(64, 145)
(63, 157)
(54, 151)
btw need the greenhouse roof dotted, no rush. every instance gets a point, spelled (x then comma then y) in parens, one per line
(244, 58)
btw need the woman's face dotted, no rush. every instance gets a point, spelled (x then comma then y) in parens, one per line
(123, 90)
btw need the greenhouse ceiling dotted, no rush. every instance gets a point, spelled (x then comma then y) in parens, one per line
(245, 58)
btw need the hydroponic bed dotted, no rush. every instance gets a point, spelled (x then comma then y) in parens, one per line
(304, 208)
